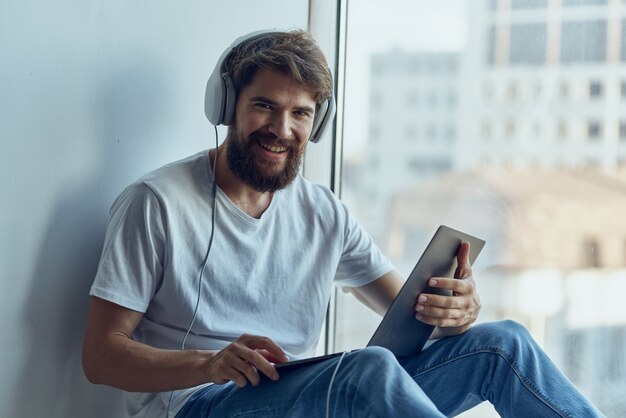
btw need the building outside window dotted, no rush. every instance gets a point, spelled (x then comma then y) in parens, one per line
(509, 162)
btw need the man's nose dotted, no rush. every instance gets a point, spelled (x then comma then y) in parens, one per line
(280, 125)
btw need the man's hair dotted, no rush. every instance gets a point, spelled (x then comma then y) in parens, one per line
(294, 53)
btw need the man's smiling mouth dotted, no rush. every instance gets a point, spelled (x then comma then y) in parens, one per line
(272, 148)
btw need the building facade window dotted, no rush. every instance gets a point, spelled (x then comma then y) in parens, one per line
(594, 131)
(512, 91)
(529, 4)
(622, 131)
(623, 44)
(509, 129)
(562, 130)
(564, 90)
(583, 41)
(568, 3)
(591, 253)
(595, 89)
(528, 44)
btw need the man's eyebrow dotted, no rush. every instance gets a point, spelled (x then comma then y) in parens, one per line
(269, 101)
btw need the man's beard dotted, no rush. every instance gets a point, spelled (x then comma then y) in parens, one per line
(242, 162)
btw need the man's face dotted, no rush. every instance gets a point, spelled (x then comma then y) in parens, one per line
(274, 118)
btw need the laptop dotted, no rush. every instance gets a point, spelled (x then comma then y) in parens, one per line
(399, 331)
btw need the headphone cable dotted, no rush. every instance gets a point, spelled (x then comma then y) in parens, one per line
(204, 263)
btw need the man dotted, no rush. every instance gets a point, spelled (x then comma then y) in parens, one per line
(218, 266)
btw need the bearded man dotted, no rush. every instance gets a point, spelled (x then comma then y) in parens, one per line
(219, 266)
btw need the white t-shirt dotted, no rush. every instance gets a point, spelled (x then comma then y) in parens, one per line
(270, 276)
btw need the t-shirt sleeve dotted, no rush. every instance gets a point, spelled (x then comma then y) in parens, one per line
(131, 265)
(361, 262)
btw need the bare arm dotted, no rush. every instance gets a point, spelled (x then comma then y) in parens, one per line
(112, 357)
(451, 315)
(379, 294)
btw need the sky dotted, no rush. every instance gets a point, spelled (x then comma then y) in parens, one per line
(377, 26)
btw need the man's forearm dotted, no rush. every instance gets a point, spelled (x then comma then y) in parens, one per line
(124, 363)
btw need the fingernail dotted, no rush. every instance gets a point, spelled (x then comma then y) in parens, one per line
(419, 308)
(419, 316)
(433, 282)
(422, 298)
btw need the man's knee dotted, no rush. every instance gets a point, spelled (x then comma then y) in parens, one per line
(375, 355)
(506, 333)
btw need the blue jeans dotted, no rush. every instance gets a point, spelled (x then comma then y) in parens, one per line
(497, 362)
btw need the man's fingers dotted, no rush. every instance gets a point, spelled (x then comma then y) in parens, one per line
(259, 362)
(229, 367)
(259, 351)
(242, 360)
(270, 357)
(256, 342)
(455, 285)
(447, 302)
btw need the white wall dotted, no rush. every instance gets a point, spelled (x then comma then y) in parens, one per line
(92, 95)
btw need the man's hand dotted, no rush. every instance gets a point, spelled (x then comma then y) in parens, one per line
(451, 314)
(242, 360)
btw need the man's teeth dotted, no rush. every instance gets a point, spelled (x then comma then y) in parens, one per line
(273, 148)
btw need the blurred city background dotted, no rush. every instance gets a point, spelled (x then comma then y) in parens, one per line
(505, 119)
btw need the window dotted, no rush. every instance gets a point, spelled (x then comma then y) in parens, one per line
(595, 89)
(529, 4)
(594, 131)
(562, 130)
(518, 158)
(591, 253)
(512, 91)
(509, 129)
(584, 2)
(623, 44)
(528, 44)
(491, 46)
(564, 90)
(583, 41)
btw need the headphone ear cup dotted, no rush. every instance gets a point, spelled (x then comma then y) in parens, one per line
(323, 119)
(220, 95)
(230, 100)
(215, 98)
(317, 121)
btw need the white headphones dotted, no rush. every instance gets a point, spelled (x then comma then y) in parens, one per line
(221, 94)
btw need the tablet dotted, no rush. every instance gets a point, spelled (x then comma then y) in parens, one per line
(399, 331)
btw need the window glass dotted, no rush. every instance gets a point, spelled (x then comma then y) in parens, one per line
(528, 43)
(583, 41)
(494, 118)
(528, 4)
